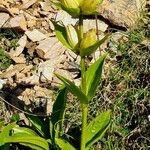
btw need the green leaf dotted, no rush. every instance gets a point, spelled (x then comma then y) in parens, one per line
(97, 128)
(58, 111)
(23, 130)
(64, 145)
(93, 76)
(37, 124)
(74, 89)
(34, 142)
(61, 34)
(89, 50)
(15, 117)
(6, 131)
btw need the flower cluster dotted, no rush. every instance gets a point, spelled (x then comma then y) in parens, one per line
(77, 7)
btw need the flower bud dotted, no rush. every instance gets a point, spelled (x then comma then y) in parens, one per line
(71, 6)
(89, 7)
(89, 38)
(72, 36)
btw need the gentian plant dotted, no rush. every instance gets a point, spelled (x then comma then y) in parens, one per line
(84, 44)
(47, 133)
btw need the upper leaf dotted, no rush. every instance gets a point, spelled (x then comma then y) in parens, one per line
(58, 111)
(74, 89)
(97, 127)
(61, 34)
(93, 76)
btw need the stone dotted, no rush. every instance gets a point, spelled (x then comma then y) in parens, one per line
(45, 71)
(91, 23)
(28, 4)
(18, 22)
(35, 35)
(122, 13)
(21, 45)
(2, 83)
(49, 48)
(19, 60)
(14, 10)
(46, 6)
(3, 18)
(66, 19)
(12, 70)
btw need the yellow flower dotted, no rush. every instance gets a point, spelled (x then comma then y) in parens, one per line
(89, 7)
(71, 6)
(89, 38)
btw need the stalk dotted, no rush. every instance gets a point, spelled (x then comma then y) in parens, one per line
(83, 87)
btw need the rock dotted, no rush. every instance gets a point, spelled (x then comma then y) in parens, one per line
(3, 17)
(28, 3)
(33, 80)
(14, 10)
(123, 13)
(35, 35)
(31, 23)
(50, 48)
(19, 60)
(45, 71)
(46, 6)
(12, 70)
(91, 23)
(18, 22)
(21, 45)
(66, 19)
(2, 82)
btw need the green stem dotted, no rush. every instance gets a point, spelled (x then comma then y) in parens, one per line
(83, 88)
(84, 124)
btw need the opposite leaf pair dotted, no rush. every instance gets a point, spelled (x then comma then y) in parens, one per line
(93, 77)
(68, 36)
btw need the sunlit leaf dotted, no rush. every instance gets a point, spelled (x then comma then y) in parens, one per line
(97, 128)
(74, 89)
(64, 145)
(93, 76)
(34, 142)
(37, 124)
(58, 111)
(61, 34)
(23, 130)
(6, 132)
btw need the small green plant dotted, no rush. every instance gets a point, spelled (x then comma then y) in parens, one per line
(5, 60)
(84, 44)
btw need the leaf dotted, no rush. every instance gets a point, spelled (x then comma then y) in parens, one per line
(64, 145)
(58, 111)
(93, 76)
(37, 124)
(97, 128)
(5, 132)
(89, 50)
(24, 130)
(34, 142)
(74, 89)
(61, 34)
